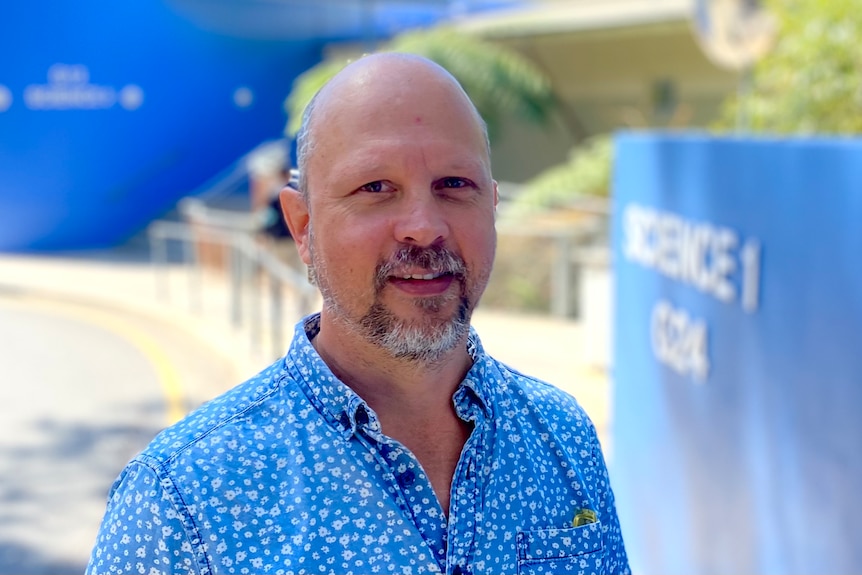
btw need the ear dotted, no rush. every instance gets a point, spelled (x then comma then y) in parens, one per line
(295, 212)
(496, 194)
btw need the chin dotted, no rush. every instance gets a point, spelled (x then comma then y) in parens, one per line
(430, 329)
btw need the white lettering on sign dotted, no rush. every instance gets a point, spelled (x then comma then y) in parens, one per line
(69, 88)
(750, 256)
(679, 341)
(715, 260)
(5, 98)
(700, 254)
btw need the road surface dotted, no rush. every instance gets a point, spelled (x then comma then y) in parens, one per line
(82, 389)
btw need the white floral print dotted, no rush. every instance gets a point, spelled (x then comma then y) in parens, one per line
(290, 473)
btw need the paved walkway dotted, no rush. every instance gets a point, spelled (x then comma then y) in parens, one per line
(543, 346)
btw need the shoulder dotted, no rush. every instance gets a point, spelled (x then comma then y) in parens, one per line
(540, 401)
(512, 392)
(218, 415)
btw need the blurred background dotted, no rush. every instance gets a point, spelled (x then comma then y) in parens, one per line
(677, 244)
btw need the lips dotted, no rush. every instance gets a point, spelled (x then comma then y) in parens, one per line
(421, 270)
(429, 276)
(428, 284)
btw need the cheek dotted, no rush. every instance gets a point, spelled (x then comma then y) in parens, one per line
(345, 249)
(479, 253)
(481, 239)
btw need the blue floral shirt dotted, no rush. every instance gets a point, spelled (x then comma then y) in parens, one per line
(290, 473)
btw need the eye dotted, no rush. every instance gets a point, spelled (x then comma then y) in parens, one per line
(454, 183)
(375, 187)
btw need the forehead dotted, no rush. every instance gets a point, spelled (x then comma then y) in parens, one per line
(399, 109)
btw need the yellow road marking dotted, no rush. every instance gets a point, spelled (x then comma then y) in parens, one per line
(167, 375)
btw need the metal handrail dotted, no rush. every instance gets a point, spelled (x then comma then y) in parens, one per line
(196, 210)
(248, 259)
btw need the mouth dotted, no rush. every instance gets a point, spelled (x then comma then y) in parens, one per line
(428, 276)
(423, 284)
(422, 272)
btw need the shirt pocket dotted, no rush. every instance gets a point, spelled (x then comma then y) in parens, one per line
(559, 551)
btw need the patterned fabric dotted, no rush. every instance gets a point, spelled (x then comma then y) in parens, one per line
(290, 473)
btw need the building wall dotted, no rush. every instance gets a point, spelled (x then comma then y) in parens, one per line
(635, 77)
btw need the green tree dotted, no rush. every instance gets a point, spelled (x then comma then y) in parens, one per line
(811, 81)
(587, 172)
(499, 81)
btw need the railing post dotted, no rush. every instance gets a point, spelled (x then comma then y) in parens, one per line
(254, 302)
(158, 257)
(561, 277)
(276, 327)
(235, 270)
(193, 270)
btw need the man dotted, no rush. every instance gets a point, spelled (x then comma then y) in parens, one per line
(386, 440)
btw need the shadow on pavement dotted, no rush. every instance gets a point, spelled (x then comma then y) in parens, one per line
(17, 559)
(53, 488)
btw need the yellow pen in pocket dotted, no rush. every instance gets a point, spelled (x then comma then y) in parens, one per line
(584, 517)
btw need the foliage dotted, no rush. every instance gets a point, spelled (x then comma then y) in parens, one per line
(499, 81)
(586, 173)
(305, 86)
(811, 82)
(521, 277)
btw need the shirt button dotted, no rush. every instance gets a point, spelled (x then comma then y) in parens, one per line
(407, 478)
(344, 420)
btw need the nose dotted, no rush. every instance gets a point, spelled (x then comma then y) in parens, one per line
(421, 220)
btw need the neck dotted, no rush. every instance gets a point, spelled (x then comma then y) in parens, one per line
(389, 383)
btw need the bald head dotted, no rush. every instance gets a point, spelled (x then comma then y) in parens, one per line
(395, 214)
(384, 85)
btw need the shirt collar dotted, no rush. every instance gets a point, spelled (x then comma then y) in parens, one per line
(345, 410)
(474, 396)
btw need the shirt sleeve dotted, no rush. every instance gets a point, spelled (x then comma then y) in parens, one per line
(142, 531)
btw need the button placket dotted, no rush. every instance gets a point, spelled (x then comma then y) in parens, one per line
(419, 496)
(411, 489)
(465, 502)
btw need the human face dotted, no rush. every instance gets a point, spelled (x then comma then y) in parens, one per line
(401, 217)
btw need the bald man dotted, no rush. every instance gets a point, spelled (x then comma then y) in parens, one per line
(386, 440)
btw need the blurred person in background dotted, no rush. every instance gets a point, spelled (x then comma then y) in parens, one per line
(386, 440)
(269, 172)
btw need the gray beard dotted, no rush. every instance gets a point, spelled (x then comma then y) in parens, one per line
(422, 342)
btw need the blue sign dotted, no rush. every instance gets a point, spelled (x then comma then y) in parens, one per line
(737, 356)
(111, 111)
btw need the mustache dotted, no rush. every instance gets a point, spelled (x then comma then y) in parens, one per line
(435, 259)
